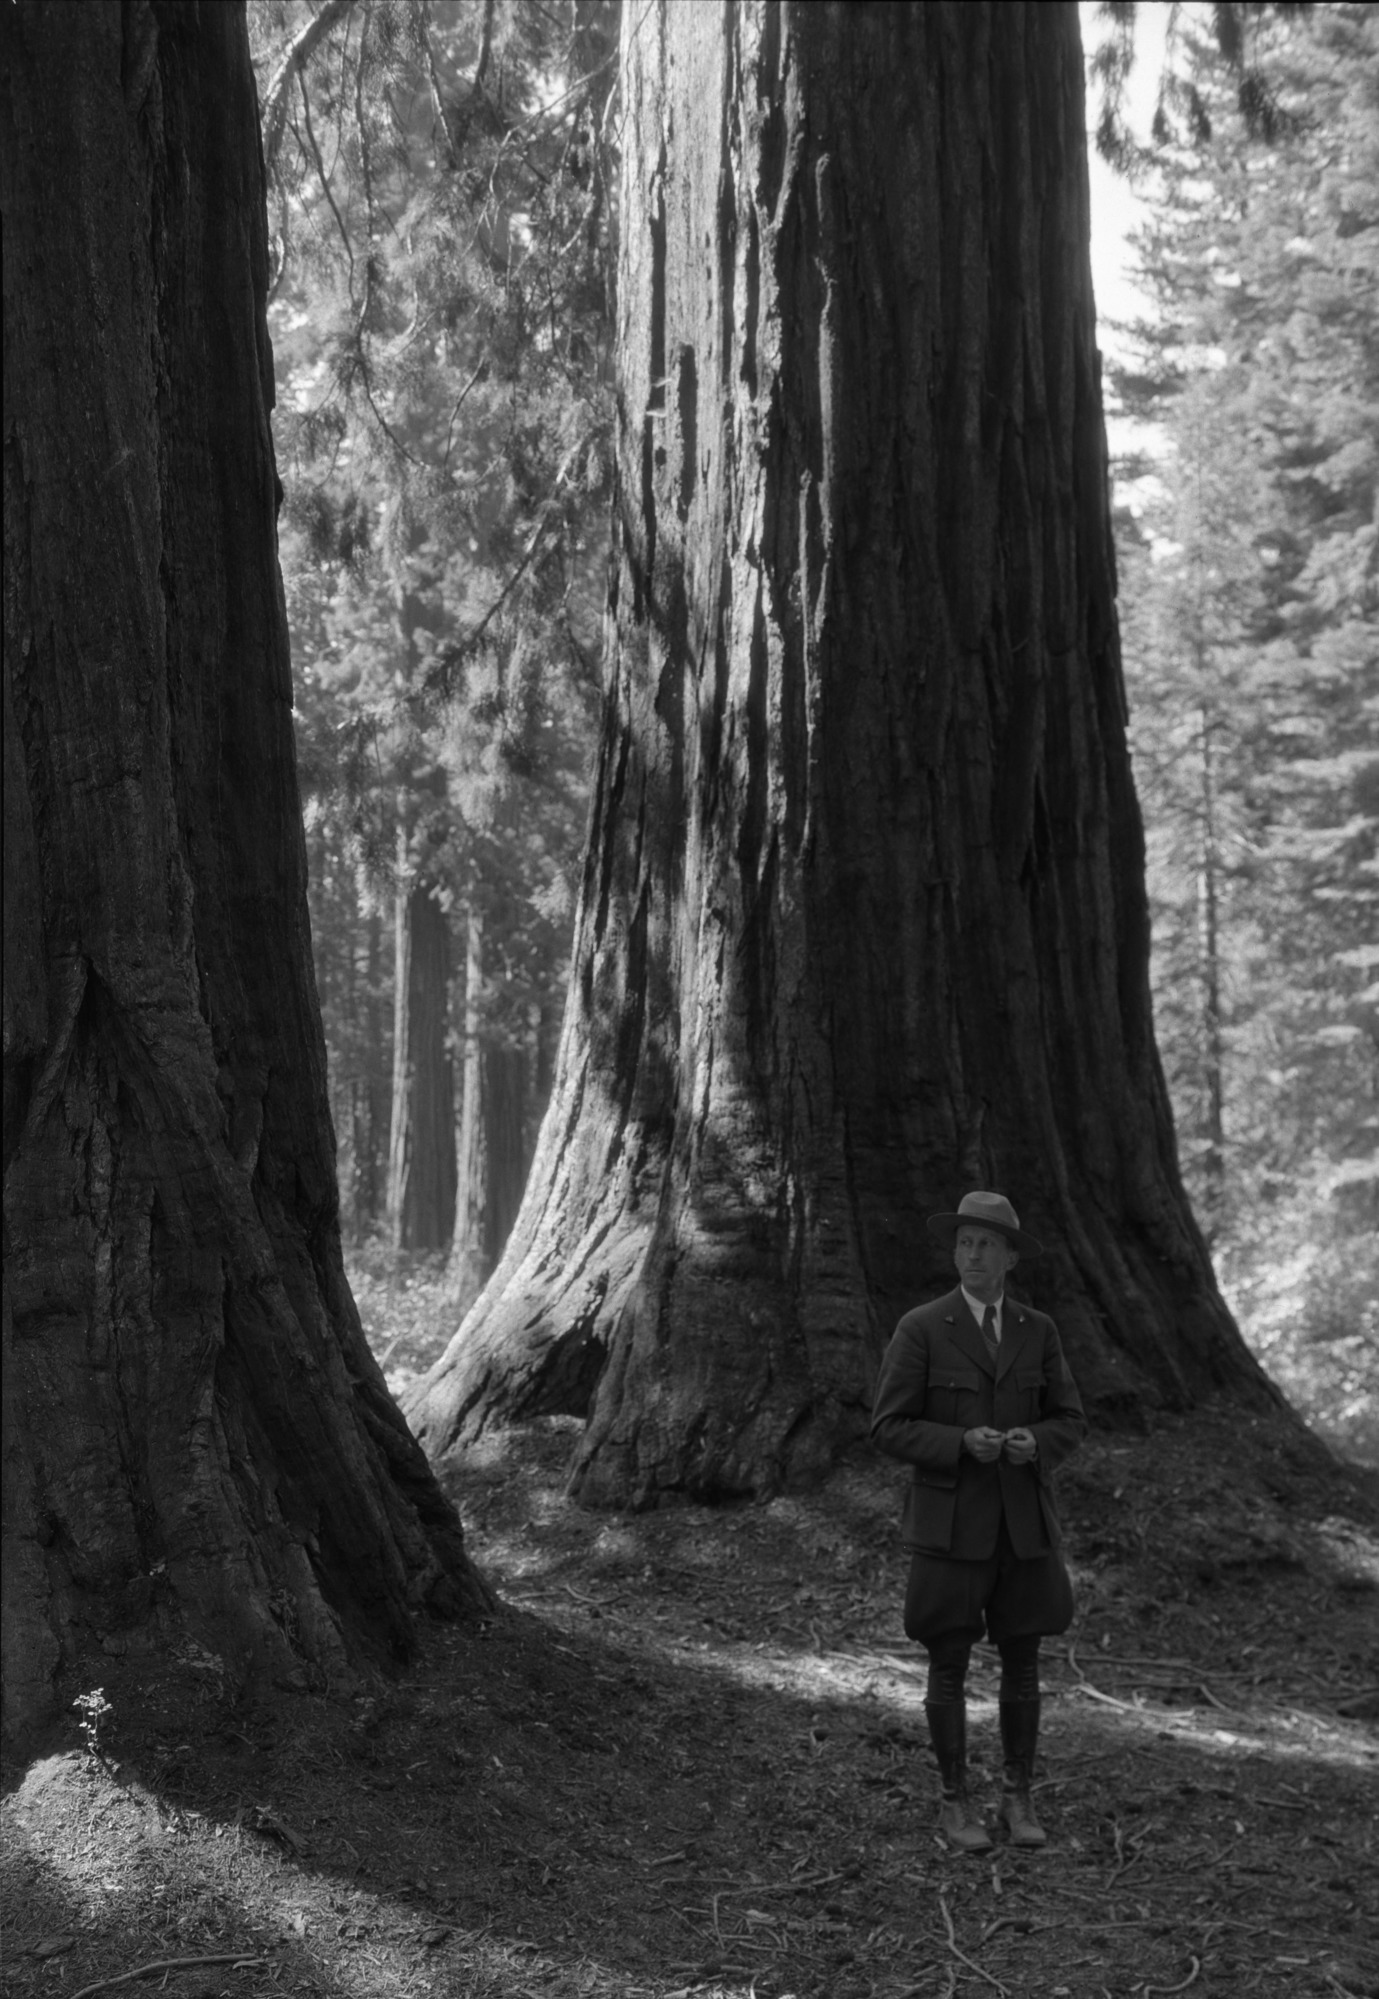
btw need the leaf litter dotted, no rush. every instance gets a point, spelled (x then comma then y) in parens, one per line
(686, 1759)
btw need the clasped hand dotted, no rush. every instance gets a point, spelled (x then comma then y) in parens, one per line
(987, 1445)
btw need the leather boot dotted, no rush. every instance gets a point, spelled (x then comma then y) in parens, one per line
(958, 1823)
(1019, 1736)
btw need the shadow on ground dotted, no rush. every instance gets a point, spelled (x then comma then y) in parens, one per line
(688, 1756)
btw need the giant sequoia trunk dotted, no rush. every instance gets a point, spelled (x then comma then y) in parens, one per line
(197, 1441)
(863, 920)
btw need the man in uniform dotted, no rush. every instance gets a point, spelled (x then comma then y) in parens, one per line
(975, 1394)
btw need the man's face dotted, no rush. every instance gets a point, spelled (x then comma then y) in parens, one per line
(983, 1256)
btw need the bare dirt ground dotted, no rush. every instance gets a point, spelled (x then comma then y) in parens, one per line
(687, 1756)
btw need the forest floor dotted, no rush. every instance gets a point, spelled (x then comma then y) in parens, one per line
(686, 1755)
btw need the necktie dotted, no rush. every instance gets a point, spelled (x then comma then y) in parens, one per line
(989, 1330)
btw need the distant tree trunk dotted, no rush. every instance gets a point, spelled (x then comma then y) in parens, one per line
(469, 1266)
(198, 1443)
(505, 1111)
(421, 1152)
(372, 1091)
(1209, 958)
(492, 1138)
(863, 920)
(421, 1147)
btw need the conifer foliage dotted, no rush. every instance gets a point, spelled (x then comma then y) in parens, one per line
(439, 199)
(1250, 600)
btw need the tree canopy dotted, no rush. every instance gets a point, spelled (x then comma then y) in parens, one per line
(439, 313)
(1254, 602)
(1251, 595)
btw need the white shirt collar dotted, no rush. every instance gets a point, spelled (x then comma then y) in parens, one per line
(977, 1307)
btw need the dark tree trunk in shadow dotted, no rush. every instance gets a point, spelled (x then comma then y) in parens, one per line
(198, 1443)
(863, 920)
(505, 1111)
(421, 1153)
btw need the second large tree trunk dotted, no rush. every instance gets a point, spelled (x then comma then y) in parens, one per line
(863, 919)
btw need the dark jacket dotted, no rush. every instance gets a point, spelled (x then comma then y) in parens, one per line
(938, 1380)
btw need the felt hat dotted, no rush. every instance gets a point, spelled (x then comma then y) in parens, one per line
(988, 1211)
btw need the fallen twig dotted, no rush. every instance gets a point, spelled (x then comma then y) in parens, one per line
(241, 1960)
(1126, 1858)
(1084, 1686)
(598, 1602)
(1024, 1924)
(971, 1963)
(921, 1979)
(785, 1887)
(1168, 1664)
(1182, 1986)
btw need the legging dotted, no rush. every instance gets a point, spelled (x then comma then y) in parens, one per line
(948, 1659)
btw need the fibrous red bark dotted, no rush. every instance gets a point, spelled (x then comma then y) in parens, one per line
(863, 917)
(198, 1443)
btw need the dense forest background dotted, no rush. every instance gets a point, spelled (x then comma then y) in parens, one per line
(441, 195)
(1246, 534)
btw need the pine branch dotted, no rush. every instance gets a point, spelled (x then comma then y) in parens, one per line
(324, 179)
(294, 60)
(485, 49)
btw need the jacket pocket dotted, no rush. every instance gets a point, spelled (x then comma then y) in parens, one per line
(1029, 1388)
(928, 1519)
(941, 1481)
(948, 1392)
(958, 1377)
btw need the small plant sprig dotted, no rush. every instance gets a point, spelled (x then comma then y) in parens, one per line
(93, 1710)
